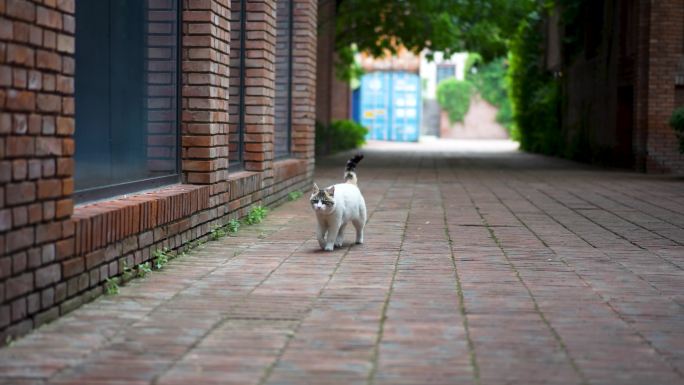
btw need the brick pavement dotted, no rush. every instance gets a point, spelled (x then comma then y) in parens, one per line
(478, 268)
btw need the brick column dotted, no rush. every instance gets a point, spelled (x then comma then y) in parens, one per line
(259, 85)
(664, 52)
(304, 79)
(36, 157)
(205, 58)
(641, 84)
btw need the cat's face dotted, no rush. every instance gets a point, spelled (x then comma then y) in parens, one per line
(323, 201)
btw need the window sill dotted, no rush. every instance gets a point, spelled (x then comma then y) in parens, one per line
(101, 223)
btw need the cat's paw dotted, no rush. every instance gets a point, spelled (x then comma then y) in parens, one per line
(328, 248)
(338, 244)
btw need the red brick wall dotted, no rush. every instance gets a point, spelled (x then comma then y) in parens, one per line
(36, 149)
(259, 181)
(304, 80)
(628, 78)
(664, 53)
(54, 256)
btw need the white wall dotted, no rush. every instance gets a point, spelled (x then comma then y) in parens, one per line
(428, 70)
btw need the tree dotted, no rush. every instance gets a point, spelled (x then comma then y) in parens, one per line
(378, 27)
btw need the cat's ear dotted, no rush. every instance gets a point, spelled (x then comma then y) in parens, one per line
(315, 188)
(331, 191)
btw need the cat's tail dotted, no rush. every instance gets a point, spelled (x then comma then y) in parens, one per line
(349, 173)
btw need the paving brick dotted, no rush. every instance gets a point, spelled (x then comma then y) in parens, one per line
(548, 272)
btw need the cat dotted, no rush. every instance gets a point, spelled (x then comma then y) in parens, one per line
(336, 206)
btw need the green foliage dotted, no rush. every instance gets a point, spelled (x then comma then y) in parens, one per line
(346, 67)
(111, 286)
(144, 269)
(127, 273)
(534, 92)
(217, 233)
(473, 60)
(490, 82)
(379, 26)
(454, 97)
(233, 226)
(677, 123)
(340, 135)
(256, 215)
(160, 258)
(294, 195)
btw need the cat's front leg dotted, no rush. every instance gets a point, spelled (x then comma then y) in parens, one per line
(320, 235)
(332, 236)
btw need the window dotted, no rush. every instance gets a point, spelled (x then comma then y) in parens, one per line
(445, 71)
(283, 80)
(236, 99)
(126, 96)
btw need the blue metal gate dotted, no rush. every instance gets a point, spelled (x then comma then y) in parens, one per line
(390, 105)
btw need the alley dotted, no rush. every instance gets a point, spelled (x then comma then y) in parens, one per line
(482, 265)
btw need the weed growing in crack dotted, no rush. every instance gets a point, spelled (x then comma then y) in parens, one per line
(217, 233)
(127, 272)
(256, 215)
(111, 286)
(233, 226)
(294, 195)
(161, 258)
(144, 269)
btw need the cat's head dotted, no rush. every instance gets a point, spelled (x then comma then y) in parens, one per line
(323, 201)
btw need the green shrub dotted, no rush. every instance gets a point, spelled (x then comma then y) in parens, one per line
(340, 135)
(534, 92)
(490, 82)
(677, 123)
(454, 97)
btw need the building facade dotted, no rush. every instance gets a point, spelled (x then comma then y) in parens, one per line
(432, 72)
(129, 126)
(623, 76)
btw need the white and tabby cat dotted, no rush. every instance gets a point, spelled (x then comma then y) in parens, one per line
(338, 205)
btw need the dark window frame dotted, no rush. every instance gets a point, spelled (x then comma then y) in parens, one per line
(118, 189)
(238, 164)
(444, 66)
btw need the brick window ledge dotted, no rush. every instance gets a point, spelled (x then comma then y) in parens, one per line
(245, 186)
(99, 224)
(288, 168)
